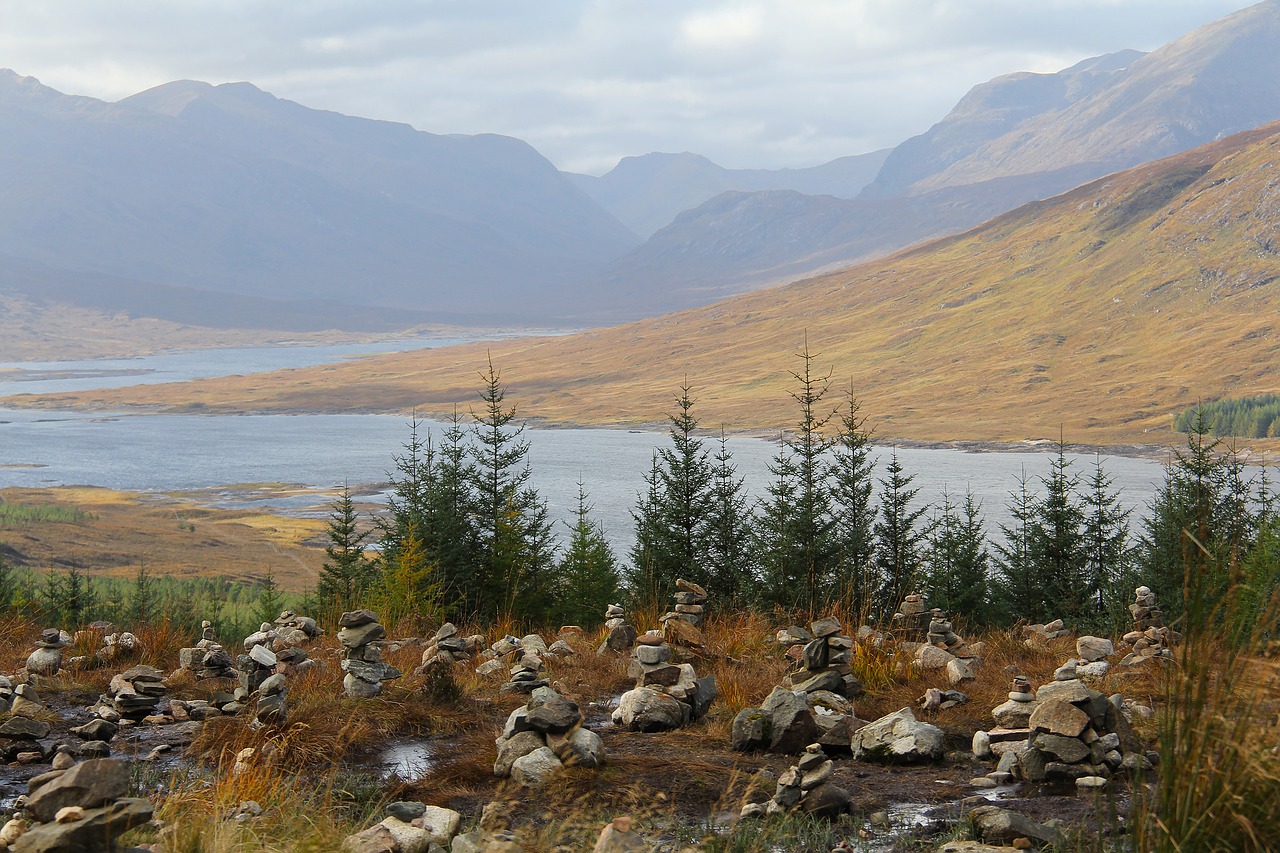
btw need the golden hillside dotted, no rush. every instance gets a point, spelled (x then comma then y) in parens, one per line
(1102, 311)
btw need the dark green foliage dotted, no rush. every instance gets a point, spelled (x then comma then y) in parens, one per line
(347, 574)
(731, 562)
(15, 514)
(516, 567)
(143, 604)
(1056, 542)
(67, 599)
(1246, 417)
(588, 571)
(852, 478)
(270, 602)
(672, 518)
(957, 560)
(1017, 585)
(1107, 552)
(796, 543)
(900, 538)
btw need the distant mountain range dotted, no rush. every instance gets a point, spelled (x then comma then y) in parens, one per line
(227, 206)
(1100, 312)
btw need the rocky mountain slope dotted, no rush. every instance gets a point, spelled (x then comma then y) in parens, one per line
(1101, 312)
(227, 188)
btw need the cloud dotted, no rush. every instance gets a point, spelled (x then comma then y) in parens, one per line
(764, 83)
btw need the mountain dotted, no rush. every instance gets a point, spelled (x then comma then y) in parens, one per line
(1015, 139)
(229, 189)
(1100, 312)
(646, 193)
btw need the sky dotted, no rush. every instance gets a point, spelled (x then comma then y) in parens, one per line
(748, 83)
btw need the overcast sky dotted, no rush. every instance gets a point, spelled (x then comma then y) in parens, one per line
(770, 83)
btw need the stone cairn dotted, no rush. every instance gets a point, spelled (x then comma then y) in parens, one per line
(526, 663)
(1150, 637)
(1065, 732)
(295, 630)
(260, 662)
(805, 787)
(80, 808)
(682, 624)
(1036, 636)
(271, 709)
(621, 636)
(667, 695)
(543, 736)
(47, 657)
(1090, 661)
(207, 658)
(134, 693)
(929, 634)
(447, 647)
(6, 694)
(813, 703)
(361, 656)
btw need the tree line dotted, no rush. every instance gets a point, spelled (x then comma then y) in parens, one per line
(467, 537)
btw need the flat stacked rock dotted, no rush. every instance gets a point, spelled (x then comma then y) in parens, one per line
(1150, 637)
(207, 659)
(408, 826)
(260, 662)
(6, 693)
(543, 736)
(681, 624)
(527, 668)
(667, 695)
(25, 702)
(448, 647)
(1036, 636)
(47, 657)
(1073, 734)
(295, 630)
(358, 633)
(621, 636)
(270, 709)
(824, 659)
(805, 787)
(81, 809)
(134, 693)
(911, 622)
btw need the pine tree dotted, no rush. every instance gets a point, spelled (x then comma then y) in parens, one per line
(410, 588)
(1057, 541)
(684, 500)
(730, 559)
(852, 480)
(450, 532)
(641, 575)
(1018, 585)
(516, 572)
(269, 601)
(142, 600)
(899, 537)
(799, 566)
(588, 570)
(957, 559)
(347, 574)
(1107, 550)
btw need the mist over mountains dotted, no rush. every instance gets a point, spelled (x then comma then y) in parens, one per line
(227, 206)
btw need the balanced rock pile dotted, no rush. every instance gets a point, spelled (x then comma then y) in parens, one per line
(207, 659)
(680, 625)
(929, 634)
(447, 647)
(134, 693)
(824, 659)
(911, 622)
(260, 662)
(1035, 636)
(788, 720)
(1090, 661)
(6, 693)
(361, 655)
(805, 787)
(270, 709)
(1071, 733)
(621, 636)
(1150, 637)
(526, 672)
(409, 827)
(543, 736)
(47, 657)
(295, 630)
(77, 810)
(667, 695)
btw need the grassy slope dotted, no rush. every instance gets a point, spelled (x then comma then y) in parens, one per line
(1102, 311)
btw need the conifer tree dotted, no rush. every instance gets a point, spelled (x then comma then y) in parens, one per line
(449, 532)
(347, 574)
(516, 569)
(410, 588)
(588, 570)
(776, 541)
(684, 500)
(1018, 585)
(142, 600)
(1057, 541)
(957, 559)
(900, 537)
(269, 601)
(1106, 546)
(641, 575)
(730, 558)
(852, 477)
